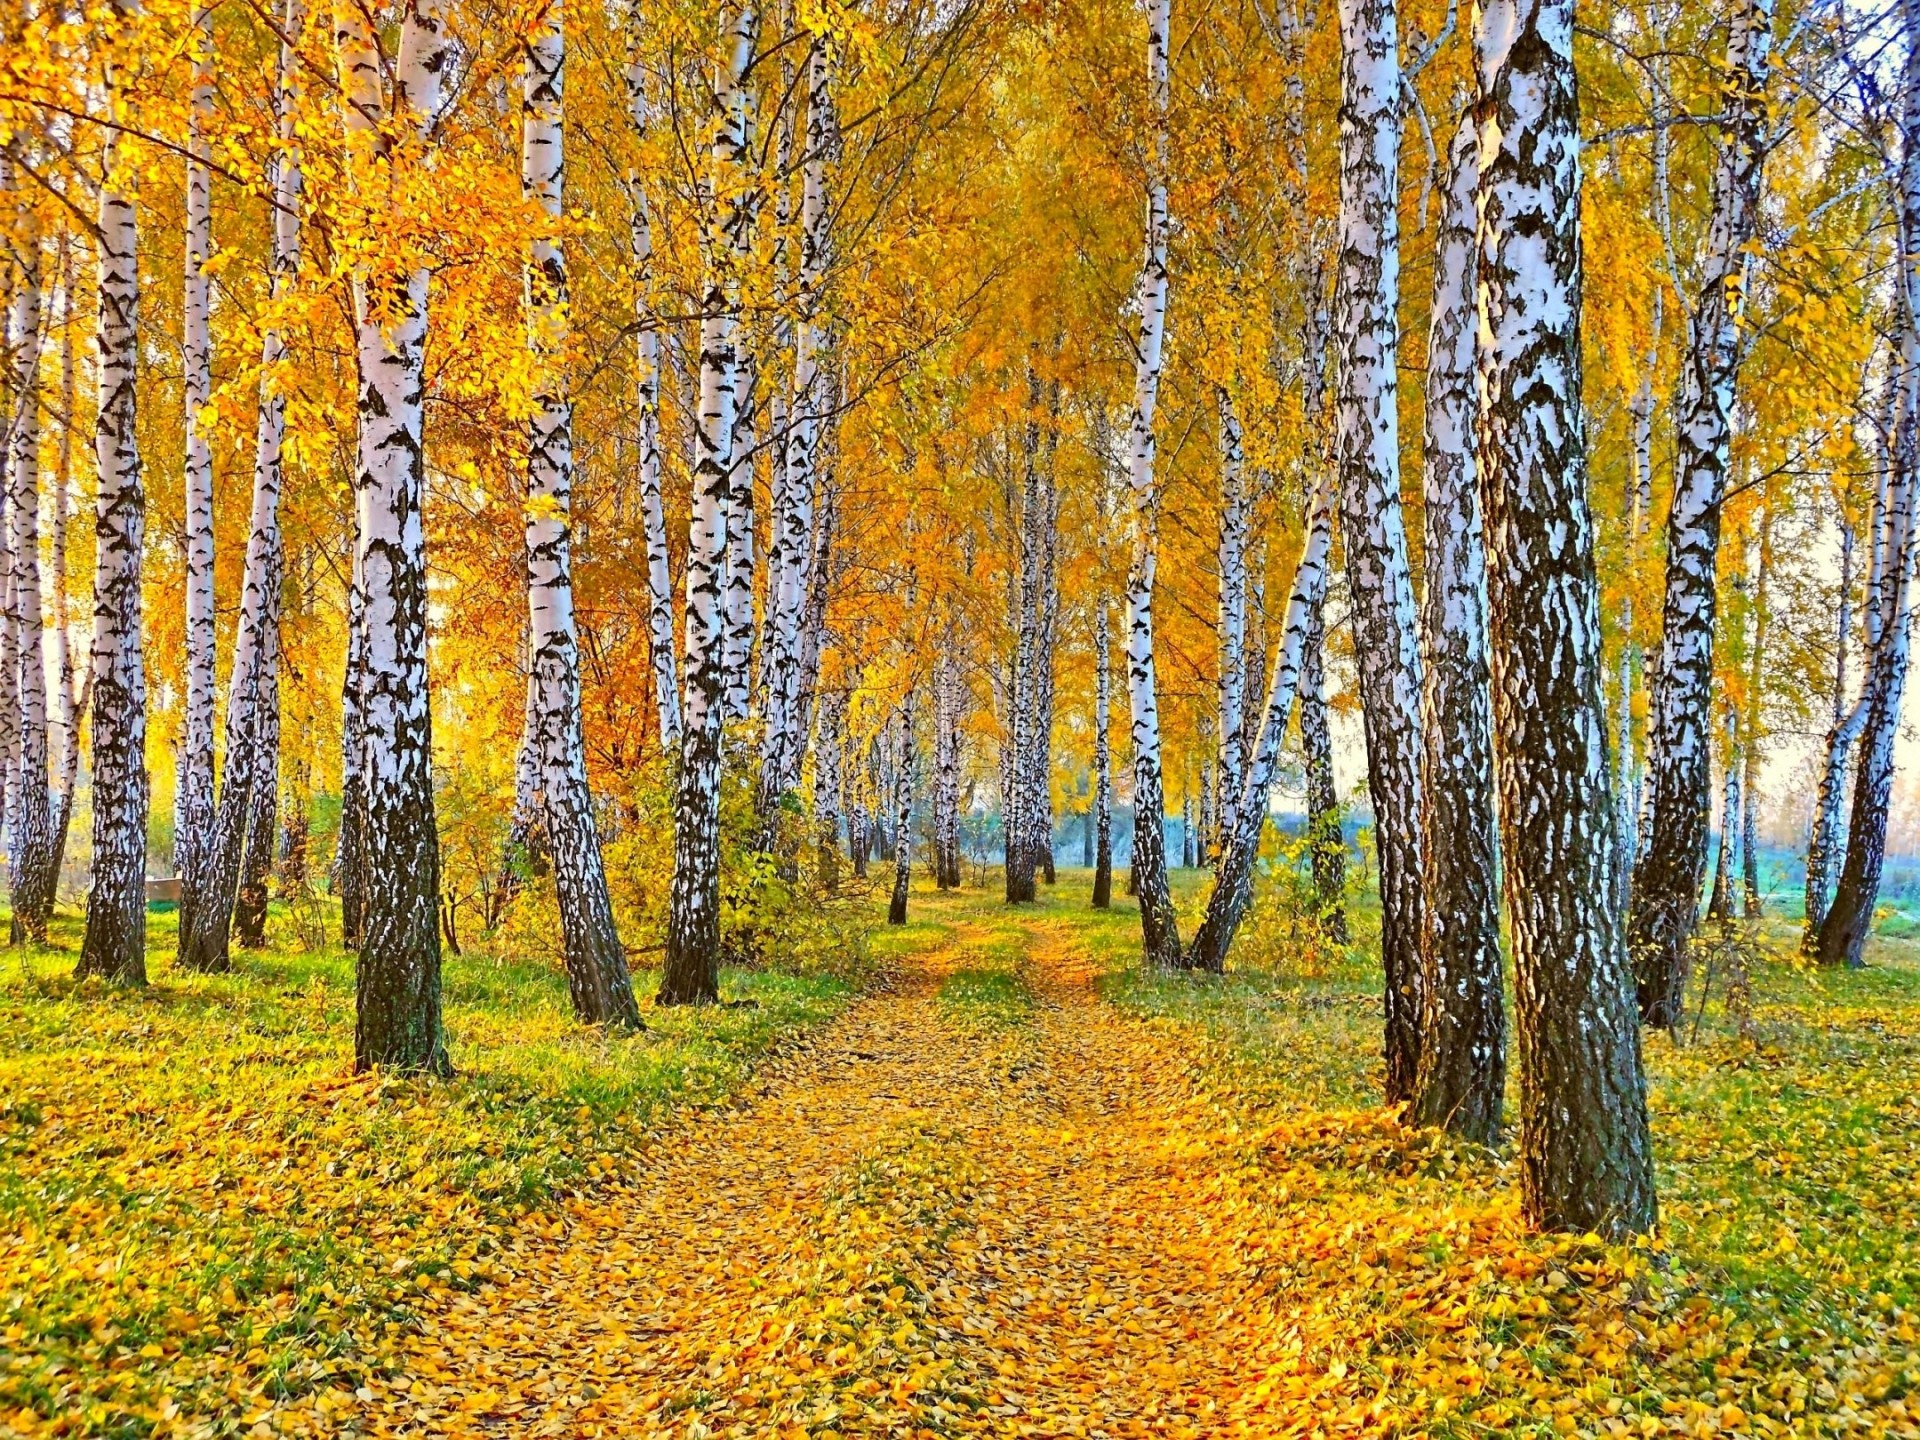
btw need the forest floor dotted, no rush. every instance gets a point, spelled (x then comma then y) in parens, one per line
(1014, 1188)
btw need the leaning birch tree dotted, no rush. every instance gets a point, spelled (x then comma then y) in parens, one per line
(1586, 1159)
(1665, 901)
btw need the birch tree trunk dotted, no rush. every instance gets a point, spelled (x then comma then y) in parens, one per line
(193, 803)
(795, 540)
(691, 973)
(946, 761)
(903, 815)
(666, 679)
(263, 795)
(31, 853)
(1463, 1042)
(350, 848)
(253, 682)
(1102, 759)
(597, 980)
(1751, 904)
(1844, 729)
(68, 692)
(827, 799)
(1385, 627)
(1626, 773)
(398, 976)
(1326, 823)
(1586, 1158)
(1665, 903)
(1159, 926)
(1844, 930)
(116, 936)
(1231, 555)
(1720, 907)
(1233, 875)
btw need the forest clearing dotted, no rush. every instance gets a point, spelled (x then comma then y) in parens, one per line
(1019, 1188)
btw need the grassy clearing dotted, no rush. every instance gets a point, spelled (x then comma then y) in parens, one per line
(1781, 1297)
(199, 1203)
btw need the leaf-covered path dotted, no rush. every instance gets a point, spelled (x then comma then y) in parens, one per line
(937, 1218)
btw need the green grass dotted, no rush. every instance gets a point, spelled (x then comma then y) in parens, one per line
(997, 999)
(191, 1168)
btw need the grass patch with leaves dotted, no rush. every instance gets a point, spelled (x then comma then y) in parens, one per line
(202, 1207)
(1780, 1297)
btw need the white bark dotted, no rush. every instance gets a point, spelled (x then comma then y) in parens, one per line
(193, 801)
(28, 814)
(1385, 627)
(399, 969)
(1585, 1149)
(1232, 560)
(691, 971)
(115, 943)
(666, 678)
(1159, 927)
(1666, 879)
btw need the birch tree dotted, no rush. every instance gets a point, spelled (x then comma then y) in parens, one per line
(1159, 926)
(1233, 875)
(29, 812)
(902, 801)
(1665, 901)
(115, 944)
(597, 980)
(1385, 628)
(1585, 1150)
(1231, 555)
(1462, 1072)
(1843, 930)
(691, 973)
(795, 542)
(253, 683)
(1844, 728)
(193, 802)
(653, 514)
(398, 975)
(1102, 757)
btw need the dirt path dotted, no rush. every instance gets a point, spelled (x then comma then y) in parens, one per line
(918, 1225)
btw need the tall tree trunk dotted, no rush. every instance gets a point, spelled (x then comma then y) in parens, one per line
(263, 794)
(253, 684)
(1046, 634)
(597, 980)
(1586, 1159)
(783, 741)
(1159, 926)
(691, 974)
(1231, 555)
(350, 843)
(1385, 626)
(1847, 722)
(1326, 824)
(1102, 758)
(653, 515)
(30, 815)
(193, 803)
(1626, 795)
(1751, 904)
(1720, 907)
(1665, 903)
(1843, 932)
(827, 800)
(903, 815)
(1233, 875)
(947, 695)
(115, 945)
(398, 1022)
(68, 693)
(1463, 1040)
